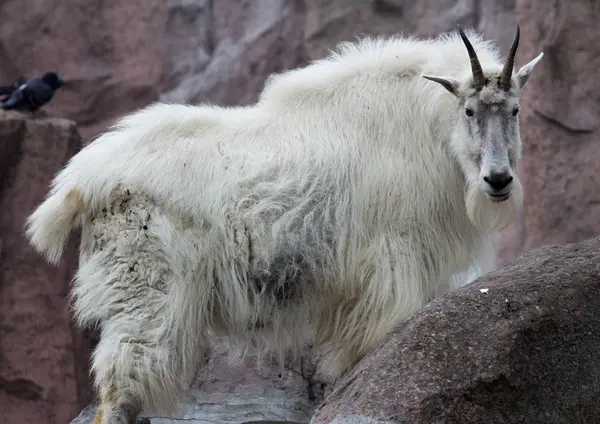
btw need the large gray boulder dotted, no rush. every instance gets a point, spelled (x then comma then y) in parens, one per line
(519, 345)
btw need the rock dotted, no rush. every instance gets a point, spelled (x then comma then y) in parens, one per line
(497, 21)
(240, 42)
(329, 22)
(559, 125)
(251, 391)
(518, 345)
(43, 361)
(246, 391)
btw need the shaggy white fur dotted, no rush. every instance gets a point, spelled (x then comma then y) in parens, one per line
(328, 212)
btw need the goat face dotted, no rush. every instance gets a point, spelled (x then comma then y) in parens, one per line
(486, 138)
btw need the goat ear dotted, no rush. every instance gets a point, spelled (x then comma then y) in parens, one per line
(448, 83)
(526, 70)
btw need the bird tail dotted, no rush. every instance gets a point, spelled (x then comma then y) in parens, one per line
(7, 89)
(10, 102)
(49, 226)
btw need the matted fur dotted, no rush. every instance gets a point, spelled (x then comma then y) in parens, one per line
(327, 212)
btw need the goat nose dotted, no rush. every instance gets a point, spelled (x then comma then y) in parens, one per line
(498, 180)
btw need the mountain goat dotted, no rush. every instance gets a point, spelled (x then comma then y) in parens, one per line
(328, 212)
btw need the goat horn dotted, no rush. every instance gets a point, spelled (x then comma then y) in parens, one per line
(478, 77)
(504, 82)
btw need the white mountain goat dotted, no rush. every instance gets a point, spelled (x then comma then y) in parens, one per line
(328, 212)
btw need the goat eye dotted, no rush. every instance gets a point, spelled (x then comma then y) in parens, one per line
(515, 111)
(469, 111)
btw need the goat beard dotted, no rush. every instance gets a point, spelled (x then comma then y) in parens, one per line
(488, 215)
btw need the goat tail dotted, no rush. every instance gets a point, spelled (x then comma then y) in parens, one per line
(49, 226)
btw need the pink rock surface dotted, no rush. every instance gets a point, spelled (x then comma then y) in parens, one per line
(43, 360)
(560, 124)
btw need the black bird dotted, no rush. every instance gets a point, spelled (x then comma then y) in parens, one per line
(30, 94)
